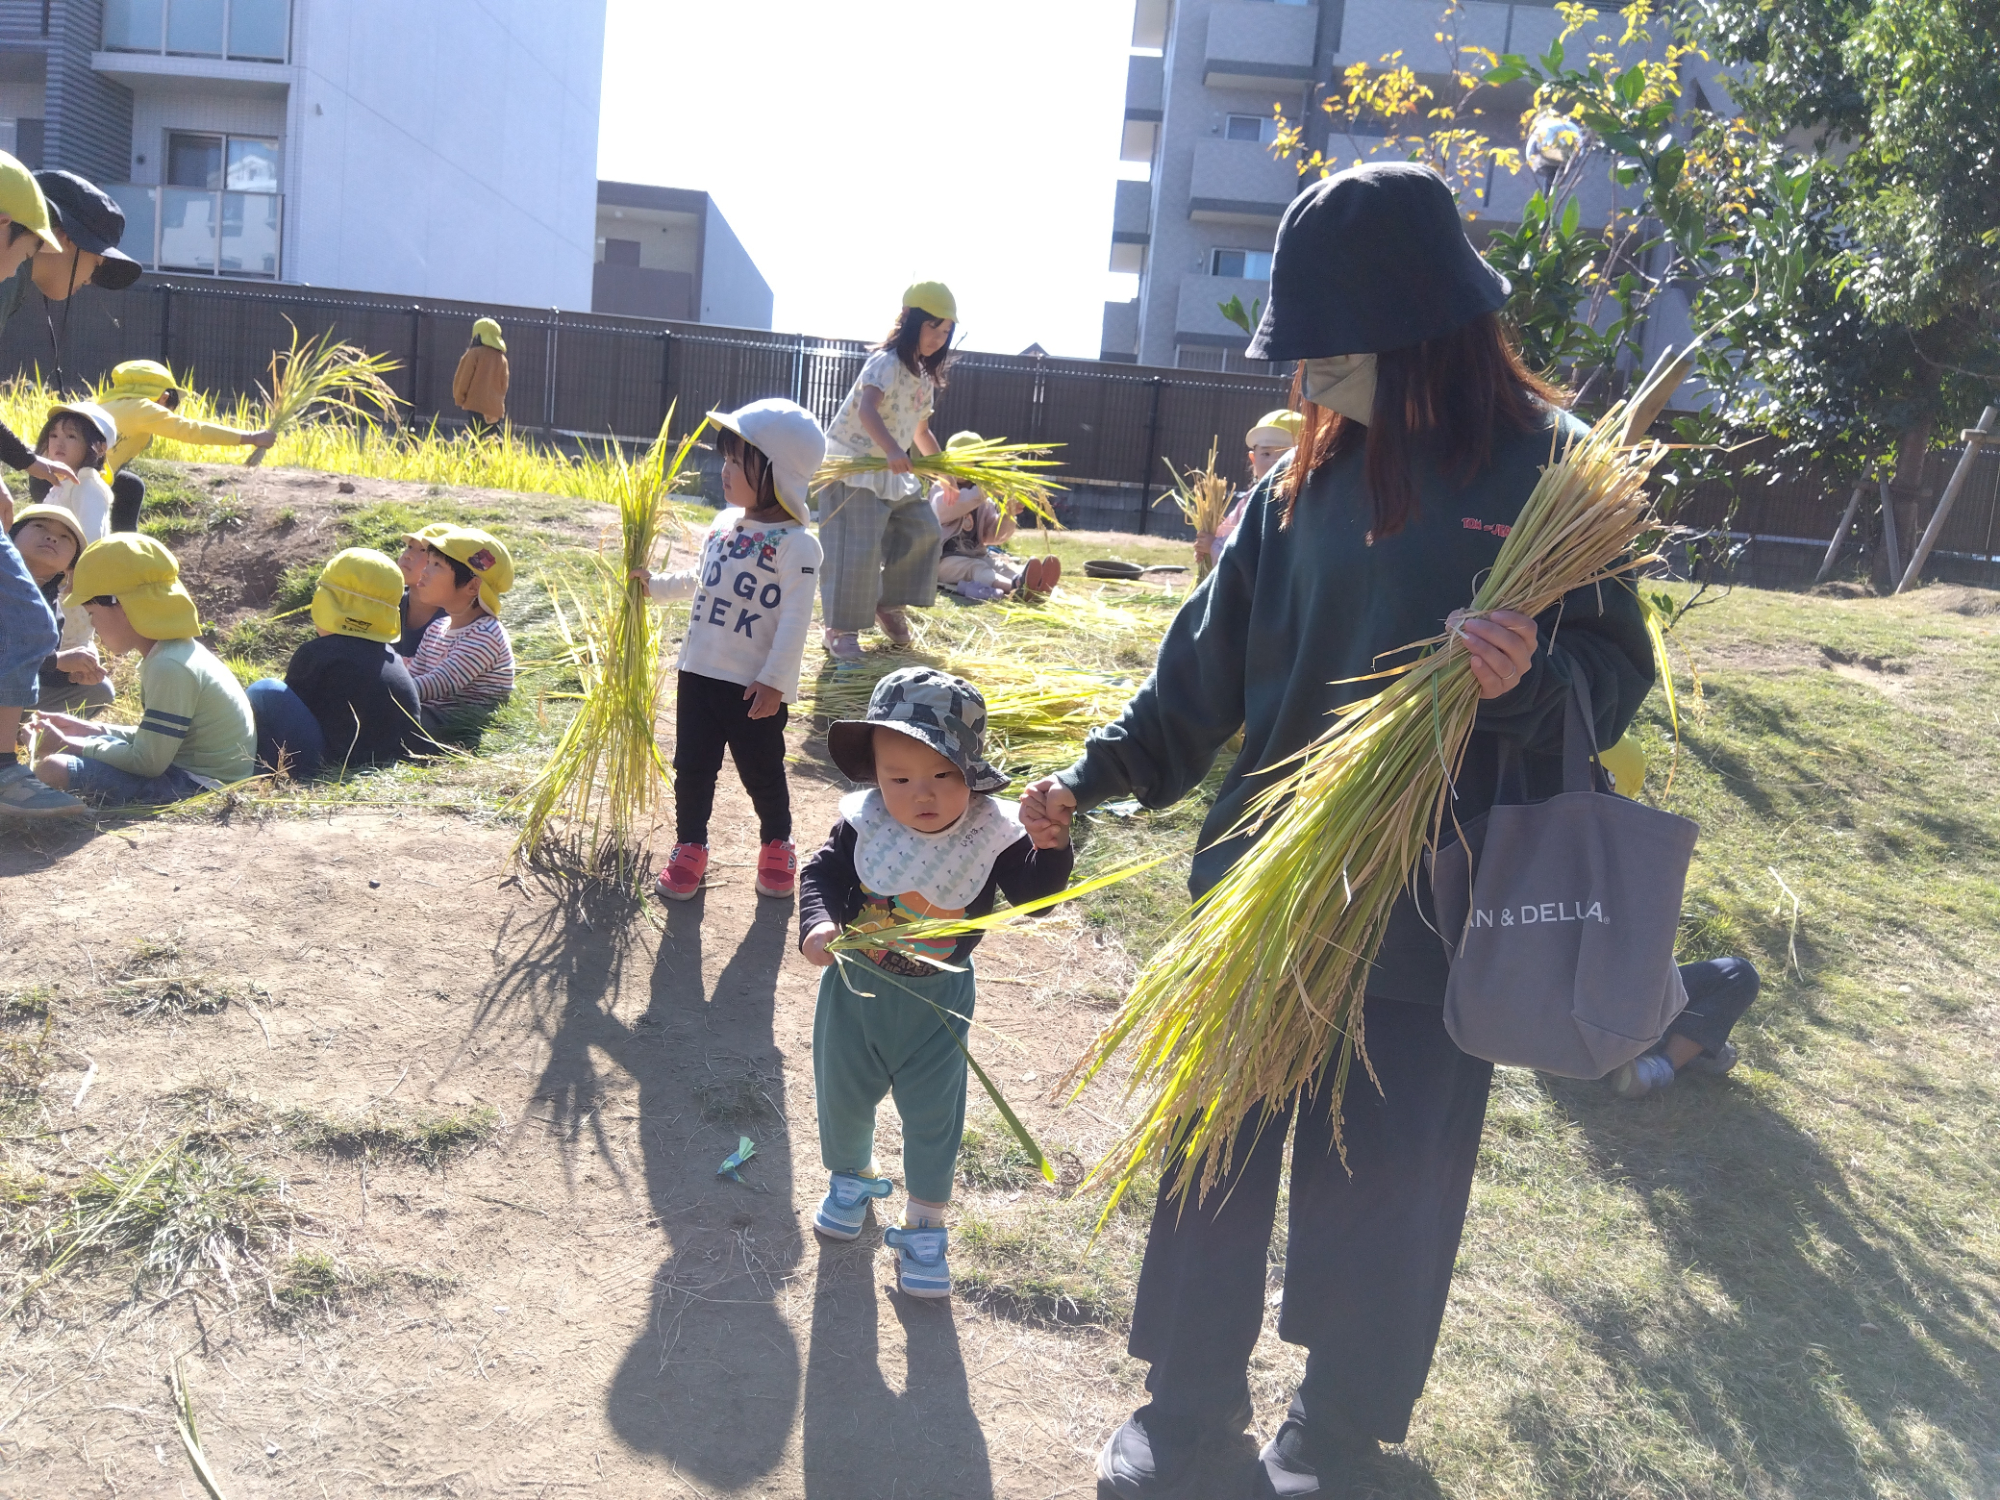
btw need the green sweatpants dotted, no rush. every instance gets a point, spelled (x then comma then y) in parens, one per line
(874, 1035)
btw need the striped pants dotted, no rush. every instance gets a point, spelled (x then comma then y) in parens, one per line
(876, 554)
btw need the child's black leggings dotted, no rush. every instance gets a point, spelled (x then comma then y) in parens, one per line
(712, 714)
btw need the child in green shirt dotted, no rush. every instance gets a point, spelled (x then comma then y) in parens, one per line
(195, 733)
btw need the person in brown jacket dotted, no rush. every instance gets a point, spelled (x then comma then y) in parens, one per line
(480, 386)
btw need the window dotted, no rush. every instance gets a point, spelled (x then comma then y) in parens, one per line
(621, 252)
(1250, 128)
(240, 163)
(1253, 265)
(248, 30)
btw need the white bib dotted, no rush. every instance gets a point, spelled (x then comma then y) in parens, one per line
(948, 869)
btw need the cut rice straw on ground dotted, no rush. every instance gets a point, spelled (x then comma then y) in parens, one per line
(602, 783)
(328, 377)
(1258, 993)
(1010, 473)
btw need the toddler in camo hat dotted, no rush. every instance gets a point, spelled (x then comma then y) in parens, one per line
(923, 838)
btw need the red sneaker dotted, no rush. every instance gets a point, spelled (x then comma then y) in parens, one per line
(777, 868)
(685, 867)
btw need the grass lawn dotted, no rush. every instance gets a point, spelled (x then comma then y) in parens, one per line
(1786, 1283)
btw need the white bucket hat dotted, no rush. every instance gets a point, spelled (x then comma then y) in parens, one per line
(787, 434)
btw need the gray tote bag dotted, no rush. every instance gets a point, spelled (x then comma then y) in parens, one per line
(1560, 916)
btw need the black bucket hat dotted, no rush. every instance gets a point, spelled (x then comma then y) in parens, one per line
(1371, 259)
(93, 221)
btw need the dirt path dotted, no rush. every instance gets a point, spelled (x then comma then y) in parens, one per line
(578, 1306)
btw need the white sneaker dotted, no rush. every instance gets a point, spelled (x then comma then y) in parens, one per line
(1641, 1076)
(842, 645)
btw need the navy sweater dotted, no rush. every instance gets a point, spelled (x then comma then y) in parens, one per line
(361, 694)
(1290, 611)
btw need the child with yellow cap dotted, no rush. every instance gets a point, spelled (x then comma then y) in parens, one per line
(347, 699)
(1275, 435)
(50, 540)
(881, 539)
(413, 619)
(142, 399)
(195, 732)
(479, 385)
(464, 663)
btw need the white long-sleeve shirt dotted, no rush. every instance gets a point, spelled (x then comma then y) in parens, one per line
(753, 599)
(88, 498)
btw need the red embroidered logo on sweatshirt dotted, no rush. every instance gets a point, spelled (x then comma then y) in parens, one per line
(1473, 523)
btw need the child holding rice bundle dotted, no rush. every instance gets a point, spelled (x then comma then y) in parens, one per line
(347, 699)
(926, 838)
(972, 525)
(144, 401)
(880, 536)
(1424, 438)
(195, 732)
(465, 662)
(1270, 440)
(739, 664)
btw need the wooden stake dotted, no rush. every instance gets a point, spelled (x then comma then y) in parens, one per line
(1889, 532)
(1840, 533)
(1975, 438)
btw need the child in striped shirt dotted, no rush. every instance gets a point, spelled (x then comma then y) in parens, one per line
(465, 660)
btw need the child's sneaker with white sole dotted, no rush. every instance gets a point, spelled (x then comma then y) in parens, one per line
(844, 1209)
(920, 1267)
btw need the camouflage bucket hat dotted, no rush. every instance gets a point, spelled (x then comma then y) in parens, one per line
(934, 708)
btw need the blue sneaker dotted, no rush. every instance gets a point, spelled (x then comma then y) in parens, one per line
(920, 1267)
(844, 1209)
(1641, 1076)
(25, 795)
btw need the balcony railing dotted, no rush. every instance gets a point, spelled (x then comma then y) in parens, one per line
(193, 229)
(243, 30)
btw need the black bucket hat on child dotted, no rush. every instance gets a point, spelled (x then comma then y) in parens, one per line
(934, 708)
(93, 221)
(1372, 259)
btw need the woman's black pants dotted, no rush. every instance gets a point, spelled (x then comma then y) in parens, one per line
(711, 715)
(1369, 1258)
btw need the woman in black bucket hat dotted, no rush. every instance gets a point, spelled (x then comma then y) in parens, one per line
(1423, 435)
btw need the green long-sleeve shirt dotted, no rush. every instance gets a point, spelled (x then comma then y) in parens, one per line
(195, 716)
(1289, 612)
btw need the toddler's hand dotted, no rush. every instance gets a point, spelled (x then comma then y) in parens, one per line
(1047, 810)
(765, 700)
(814, 947)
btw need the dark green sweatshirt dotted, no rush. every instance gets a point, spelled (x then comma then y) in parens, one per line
(1290, 611)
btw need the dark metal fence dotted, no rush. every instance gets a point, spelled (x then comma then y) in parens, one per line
(585, 376)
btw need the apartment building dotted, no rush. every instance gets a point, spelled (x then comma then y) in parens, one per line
(446, 148)
(1204, 78)
(669, 253)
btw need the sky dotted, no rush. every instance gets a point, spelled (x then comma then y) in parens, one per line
(856, 146)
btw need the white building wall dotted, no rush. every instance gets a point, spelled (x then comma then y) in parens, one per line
(733, 290)
(446, 148)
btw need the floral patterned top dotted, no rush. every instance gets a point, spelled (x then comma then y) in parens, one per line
(906, 400)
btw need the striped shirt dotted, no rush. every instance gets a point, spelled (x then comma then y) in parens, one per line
(474, 664)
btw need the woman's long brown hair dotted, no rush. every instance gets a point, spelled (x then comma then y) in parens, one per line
(1450, 392)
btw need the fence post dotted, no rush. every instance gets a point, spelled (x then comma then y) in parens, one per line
(1152, 442)
(798, 368)
(416, 353)
(666, 374)
(549, 383)
(167, 326)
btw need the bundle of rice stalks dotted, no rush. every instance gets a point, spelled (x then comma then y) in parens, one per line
(604, 778)
(1258, 993)
(1203, 497)
(321, 374)
(1010, 473)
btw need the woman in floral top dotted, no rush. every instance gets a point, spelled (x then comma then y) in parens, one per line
(880, 537)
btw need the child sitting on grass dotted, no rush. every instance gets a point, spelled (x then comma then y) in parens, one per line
(464, 663)
(195, 733)
(739, 663)
(972, 524)
(28, 635)
(926, 839)
(50, 540)
(78, 436)
(413, 619)
(347, 699)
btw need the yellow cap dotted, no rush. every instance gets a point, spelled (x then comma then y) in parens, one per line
(430, 533)
(142, 575)
(21, 200)
(488, 333)
(142, 377)
(480, 551)
(1275, 427)
(1627, 764)
(358, 595)
(934, 297)
(963, 439)
(55, 514)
